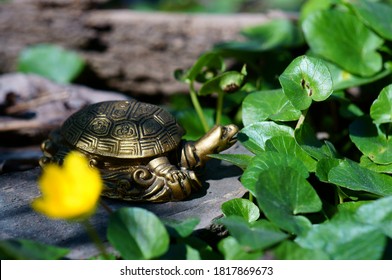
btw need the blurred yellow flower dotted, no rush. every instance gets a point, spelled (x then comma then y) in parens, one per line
(70, 191)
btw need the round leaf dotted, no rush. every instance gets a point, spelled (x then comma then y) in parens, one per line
(181, 228)
(381, 109)
(266, 161)
(137, 234)
(208, 60)
(345, 40)
(306, 79)
(52, 62)
(241, 207)
(371, 140)
(288, 146)
(282, 194)
(232, 250)
(254, 136)
(272, 104)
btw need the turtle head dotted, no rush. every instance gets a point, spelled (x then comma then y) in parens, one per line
(219, 138)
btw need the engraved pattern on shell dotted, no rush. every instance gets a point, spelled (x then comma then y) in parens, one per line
(123, 129)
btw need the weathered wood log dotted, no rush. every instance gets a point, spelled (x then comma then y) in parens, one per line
(31, 106)
(129, 51)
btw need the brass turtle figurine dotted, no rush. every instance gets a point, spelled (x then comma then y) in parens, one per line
(138, 149)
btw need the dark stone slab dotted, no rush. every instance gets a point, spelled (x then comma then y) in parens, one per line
(18, 220)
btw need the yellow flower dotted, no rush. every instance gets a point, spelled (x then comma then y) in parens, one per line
(70, 191)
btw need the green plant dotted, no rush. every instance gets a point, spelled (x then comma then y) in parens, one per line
(317, 123)
(51, 61)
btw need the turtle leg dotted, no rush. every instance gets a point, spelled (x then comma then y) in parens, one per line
(178, 182)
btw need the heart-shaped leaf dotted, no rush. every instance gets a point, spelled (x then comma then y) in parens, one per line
(52, 62)
(306, 79)
(241, 207)
(381, 109)
(254, 136)
(288, 146)
(137, 234)
(343, 39)
(282, 198)
(272, 104)
(266, 161)
(371, 140)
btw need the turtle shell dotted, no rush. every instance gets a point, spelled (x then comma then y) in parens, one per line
(122, 129)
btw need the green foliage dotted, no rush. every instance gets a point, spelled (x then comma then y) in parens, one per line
(52, 62)
(317, 118)
(21, 249)
(137, 234)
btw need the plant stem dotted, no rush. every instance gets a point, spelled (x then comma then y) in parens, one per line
(105, 206)
(196, 105)
(301, 118)
(219, 107)
(92, 233)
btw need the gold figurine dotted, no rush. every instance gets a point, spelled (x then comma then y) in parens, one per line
(137, 147)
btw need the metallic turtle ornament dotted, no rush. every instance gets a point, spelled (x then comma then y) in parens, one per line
(138, 149)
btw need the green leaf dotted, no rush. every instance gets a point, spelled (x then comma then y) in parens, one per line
(190, 121)
(232, 250)
(137, 234)
(22, 249)
(271, 104)
(52, 62)
(312, 6)
(227, 82)
(306, 79)
(371, 140)
(325, 165)
(253, 236)
(377, 16)
(242, 161)
(351, 175)
(342, 79)
(379, 168)
(267, 161)
(282, 198)
(288, 146)
(274, 34)
(381, 109)
(289, 250)
(351, 44)
(181, 229)
(377, 213)
(206, 61)
(305, 137)
(254, 136)
(241, 207)
(345, 238)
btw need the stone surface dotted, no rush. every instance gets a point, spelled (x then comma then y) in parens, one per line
(18, 220)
